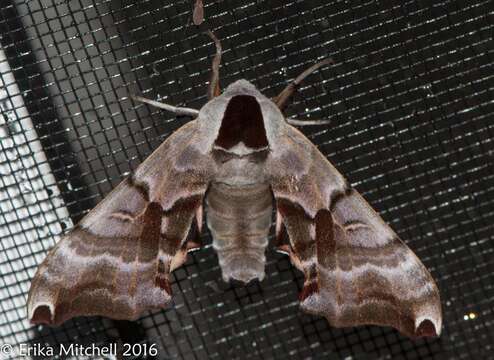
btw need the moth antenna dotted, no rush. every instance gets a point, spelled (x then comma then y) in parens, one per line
(283, 97)
(298, 122)
(198, 14)
(214, 85)
(184, 111)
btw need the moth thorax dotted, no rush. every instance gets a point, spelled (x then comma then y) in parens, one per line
(242, 123)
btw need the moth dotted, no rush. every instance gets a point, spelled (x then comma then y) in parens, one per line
(238, 162)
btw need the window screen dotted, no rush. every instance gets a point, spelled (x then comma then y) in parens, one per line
(410, 99)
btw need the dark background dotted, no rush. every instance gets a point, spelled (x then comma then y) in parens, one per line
(410, 99)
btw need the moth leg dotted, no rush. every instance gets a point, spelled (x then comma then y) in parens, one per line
(283, 97)
(297, 122)
(184, 111)
(214, 84)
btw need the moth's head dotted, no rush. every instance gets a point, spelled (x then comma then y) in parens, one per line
(241, 117)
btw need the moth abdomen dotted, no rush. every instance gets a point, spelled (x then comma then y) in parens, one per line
(239, 218)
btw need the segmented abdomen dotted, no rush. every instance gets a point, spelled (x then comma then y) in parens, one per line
(239, 218)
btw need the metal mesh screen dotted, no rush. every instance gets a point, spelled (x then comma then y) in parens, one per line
(410, 99)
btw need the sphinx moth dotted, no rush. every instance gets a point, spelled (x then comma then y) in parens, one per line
(239, 161)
